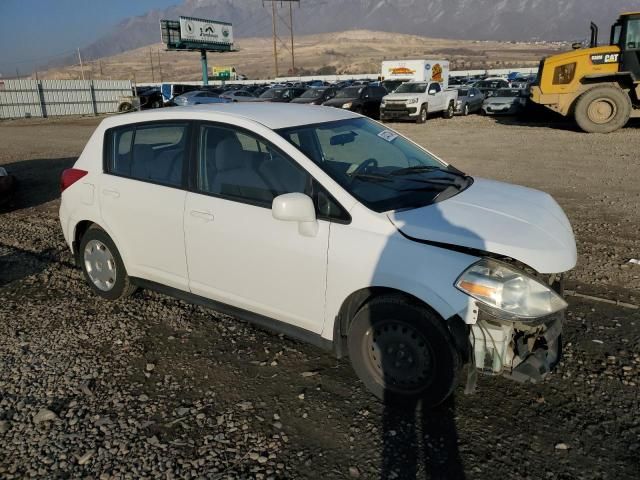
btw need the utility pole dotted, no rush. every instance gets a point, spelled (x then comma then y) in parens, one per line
(293, 59)
(153, 78)
(100, 62)
(275, 49)
(17, 74)
(81, 66)
(275, 16)
(159, 66)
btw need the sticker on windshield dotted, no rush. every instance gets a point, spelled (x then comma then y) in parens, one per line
(388, 135)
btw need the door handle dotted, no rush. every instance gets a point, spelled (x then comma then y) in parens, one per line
(206, 216)
(111, 193)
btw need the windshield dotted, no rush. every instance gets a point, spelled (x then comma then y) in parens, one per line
(313, 93)
(273, 93)
(349, 92)
(463, 93)
(379, 167)
(412, 88)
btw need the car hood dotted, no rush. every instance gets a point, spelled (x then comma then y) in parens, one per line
(502, 100)
(518, 222)
(334, 102)
(401, 96)
(304, 100)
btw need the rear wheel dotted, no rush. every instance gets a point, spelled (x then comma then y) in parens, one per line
(102, 265)
(402, 351)
(450, 111)
(603, 109)
(125, 107)
(422, 116)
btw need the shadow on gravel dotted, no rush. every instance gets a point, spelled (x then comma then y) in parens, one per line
(419, 434)
(37, 182)
(17, 264)
(540, 117)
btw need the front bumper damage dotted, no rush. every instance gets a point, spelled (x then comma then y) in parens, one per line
(525, 352)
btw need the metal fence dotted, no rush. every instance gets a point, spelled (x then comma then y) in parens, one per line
(44, 98)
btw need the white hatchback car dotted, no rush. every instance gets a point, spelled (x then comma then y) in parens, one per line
(331, 228)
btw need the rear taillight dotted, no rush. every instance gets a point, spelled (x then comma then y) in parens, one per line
(70, 176)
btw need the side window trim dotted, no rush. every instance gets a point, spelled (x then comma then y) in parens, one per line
(107, 150)
(194, 161)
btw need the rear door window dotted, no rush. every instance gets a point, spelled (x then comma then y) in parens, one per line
(150, 152)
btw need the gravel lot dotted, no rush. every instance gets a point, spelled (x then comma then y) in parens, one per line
(152, 387)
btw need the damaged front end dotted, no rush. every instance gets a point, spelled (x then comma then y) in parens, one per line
(518, 329)
(525, 352)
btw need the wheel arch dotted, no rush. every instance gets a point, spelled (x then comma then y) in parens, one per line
(80, 228)
(356, 300)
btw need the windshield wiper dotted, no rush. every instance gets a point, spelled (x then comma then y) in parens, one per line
(424, 168)
(370, 176)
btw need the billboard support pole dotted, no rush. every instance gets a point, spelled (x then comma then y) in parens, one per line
(205, 73)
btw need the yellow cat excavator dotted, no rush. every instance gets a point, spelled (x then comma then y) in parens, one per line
(599, 86)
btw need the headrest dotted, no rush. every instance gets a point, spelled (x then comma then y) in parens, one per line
(229, 154)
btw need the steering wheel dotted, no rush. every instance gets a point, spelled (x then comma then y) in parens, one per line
(369, 162)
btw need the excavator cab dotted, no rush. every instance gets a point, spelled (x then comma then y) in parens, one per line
(625, 33)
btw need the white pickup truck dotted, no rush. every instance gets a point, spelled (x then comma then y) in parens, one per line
(416, 100)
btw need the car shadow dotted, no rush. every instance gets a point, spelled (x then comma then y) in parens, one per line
(37, 182)
(17, 264)
(419, 440)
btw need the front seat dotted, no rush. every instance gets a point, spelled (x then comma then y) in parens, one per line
(236, 174)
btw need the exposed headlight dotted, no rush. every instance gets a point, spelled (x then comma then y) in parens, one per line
(347, 105)
(508, 292)
(412, 100)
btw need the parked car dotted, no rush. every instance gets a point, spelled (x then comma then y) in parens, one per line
(507, 101)
(416, 100)
(469, 101)
(486, 86)
(281, 94)
(198, 97)
(7, 185)
(316, 95)
(150, 97)
(391, 85)
(331, 228)
(360, 99)
(172, 90)
(239, 96)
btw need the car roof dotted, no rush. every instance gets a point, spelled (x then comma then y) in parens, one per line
(271, 115)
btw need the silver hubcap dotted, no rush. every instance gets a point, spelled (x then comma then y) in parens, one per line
(423, 114)
(100, 265)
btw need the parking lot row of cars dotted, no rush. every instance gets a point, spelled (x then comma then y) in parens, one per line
(376, 99)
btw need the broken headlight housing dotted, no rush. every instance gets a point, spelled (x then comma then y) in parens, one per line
(509, 293)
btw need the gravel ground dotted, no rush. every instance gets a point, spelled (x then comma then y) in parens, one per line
(152, 387)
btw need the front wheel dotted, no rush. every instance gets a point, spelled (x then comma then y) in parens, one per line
(603, 109)
(102, 265)
(422, 116)
(402, 351)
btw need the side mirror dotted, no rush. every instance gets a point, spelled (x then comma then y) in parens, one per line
(432, 92)
(296, 207)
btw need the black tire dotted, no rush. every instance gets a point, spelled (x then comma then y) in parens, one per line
(156, 104)
(422, 116)
(125, 107)
(122, 286)
(426, 363)
(450, 111)
(602, 109)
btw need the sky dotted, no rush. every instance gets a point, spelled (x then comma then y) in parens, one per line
(34, 31)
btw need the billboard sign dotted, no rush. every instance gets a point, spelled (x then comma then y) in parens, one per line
(198, 30)
(223, 73)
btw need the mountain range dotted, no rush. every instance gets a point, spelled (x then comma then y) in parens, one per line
(520, 20)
